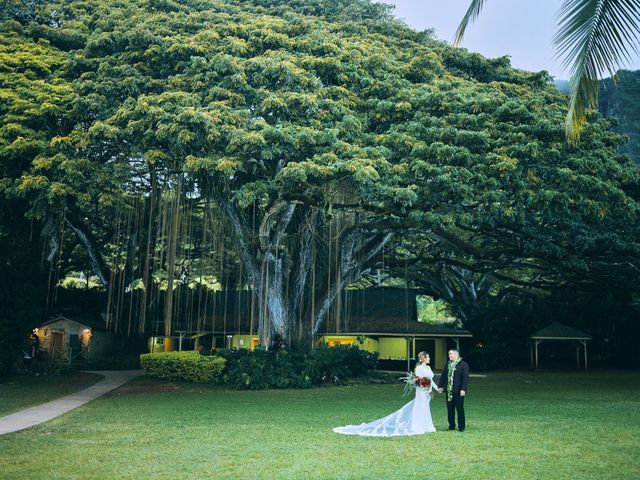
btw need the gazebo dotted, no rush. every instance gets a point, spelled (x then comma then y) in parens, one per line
(559, 332)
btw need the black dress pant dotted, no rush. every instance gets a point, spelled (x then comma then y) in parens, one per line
(456, 405)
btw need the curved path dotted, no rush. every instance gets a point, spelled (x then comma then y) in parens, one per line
(46, 411)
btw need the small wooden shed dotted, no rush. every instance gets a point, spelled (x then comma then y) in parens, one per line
(559, 332)
(74, 338)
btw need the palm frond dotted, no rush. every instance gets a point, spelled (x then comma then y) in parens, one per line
(472, 13)
(593, 37)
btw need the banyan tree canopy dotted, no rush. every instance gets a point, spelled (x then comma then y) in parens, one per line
(178, 148)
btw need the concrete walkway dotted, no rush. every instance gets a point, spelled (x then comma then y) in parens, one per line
(46, 411)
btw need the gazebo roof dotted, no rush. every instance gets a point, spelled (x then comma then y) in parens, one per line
(558, 331)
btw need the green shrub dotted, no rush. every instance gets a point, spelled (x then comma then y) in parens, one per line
(189, 366)
(283, 368)
(45, 368)
(335, 364)
(262, 369)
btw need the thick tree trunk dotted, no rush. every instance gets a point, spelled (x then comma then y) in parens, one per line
(280, 272)
(94, 257)
(353, 265)
(268, 266)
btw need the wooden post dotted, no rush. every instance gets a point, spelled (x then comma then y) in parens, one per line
(531, 353)
(537, 343)
(458, 343)
(584, 342)
(407, 339)
(577, 345)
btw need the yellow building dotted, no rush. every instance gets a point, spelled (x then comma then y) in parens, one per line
(398, 347)
(384, 320)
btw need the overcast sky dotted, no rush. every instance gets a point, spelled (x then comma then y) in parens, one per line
(522, 29)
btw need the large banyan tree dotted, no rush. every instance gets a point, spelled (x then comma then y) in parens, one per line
(282, 147)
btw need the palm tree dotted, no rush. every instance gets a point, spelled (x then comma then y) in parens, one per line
(593, 36)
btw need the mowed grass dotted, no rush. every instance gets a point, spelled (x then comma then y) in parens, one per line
(520, 425)
(26, 391)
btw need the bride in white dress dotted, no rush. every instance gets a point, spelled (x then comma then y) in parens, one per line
(412, 419)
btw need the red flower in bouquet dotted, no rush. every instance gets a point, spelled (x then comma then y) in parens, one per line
(422, 382)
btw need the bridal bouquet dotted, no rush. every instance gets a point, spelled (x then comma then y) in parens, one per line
(411, 382)
(423, 382)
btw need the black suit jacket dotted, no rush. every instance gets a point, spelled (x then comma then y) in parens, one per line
(460, 378)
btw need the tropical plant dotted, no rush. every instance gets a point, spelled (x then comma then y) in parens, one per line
(593, 37)
(292, 368)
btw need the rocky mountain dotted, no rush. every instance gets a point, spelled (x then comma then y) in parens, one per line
(621, 100)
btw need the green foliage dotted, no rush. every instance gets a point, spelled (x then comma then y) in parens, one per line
(121, 362)
(433, 311)
(187, 366)
(261, 369)
(339, 363)
(49, 368)
(316, 100)
(79, 280)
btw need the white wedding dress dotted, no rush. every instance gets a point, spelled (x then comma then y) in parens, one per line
(412, 419)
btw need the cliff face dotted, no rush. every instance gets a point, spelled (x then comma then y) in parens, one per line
(622, 101)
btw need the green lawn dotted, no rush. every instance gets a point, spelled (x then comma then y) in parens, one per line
(22, 392)
(520, 425)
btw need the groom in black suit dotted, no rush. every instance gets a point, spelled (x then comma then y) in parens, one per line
(454, 381)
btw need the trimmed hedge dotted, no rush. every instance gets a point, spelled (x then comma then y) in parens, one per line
(189, 366)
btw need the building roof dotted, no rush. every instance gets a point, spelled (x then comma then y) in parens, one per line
(85, 320)
(558, 331)
(391, 327)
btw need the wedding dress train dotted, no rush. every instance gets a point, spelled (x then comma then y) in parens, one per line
(412, 419)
